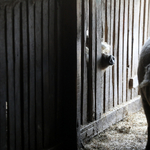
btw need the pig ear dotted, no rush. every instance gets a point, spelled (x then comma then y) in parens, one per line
(144, 83)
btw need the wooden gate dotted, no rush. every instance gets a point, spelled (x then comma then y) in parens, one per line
(107, 97)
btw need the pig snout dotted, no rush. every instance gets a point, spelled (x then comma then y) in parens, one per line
(111, 60)
(106, 61)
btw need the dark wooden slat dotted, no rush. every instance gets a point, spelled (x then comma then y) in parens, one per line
(112, 12)
(47, 124)
(92, 60)
(85, 55)
(71, 77)
(135, 45)
(38, 68)
(129, 48)
(32, 121)
(11, 82)
(124, 55)
(99, 73)
(111, 26)
(104, 37)
(17, 76)
(104, 29)
(146, 21)
(25, 77)
(78, 72)
(109, 70)
(59, 72)
(120, 50)
(106, 75)
(135, 38)
(115, 51)
(49, 105)
(149, 20)
(141, 28)
(3, 82)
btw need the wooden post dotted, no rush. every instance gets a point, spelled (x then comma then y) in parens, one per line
(3, 81)
(99, 74)
(11, 81)
(71, 48)
(31, 37)
(17, 76)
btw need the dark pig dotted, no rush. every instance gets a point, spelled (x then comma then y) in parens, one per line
(144, 83)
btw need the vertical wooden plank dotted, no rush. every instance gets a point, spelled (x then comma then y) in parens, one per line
(102, 37)
(149, 21)
(49, 125)
(104, 29)
(11, 92)
(135, 38)
(17, 76)
(148, 25)
(106, 76)
(32, 121)
(146, 20)
(49, 105)
(112, 21)
(46, 75)
(120, 50)
(99, 73)
(71, 74)
(141, 36)
(3, 82)
(92, 59)
(78, 73)
(25, 76)
(130, 46)
(84, 61)
(59, 70)
(38, 47)
(124, 55)
(109, 40)
(116, 21)
(135, 45)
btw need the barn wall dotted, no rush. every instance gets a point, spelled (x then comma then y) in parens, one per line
(31, 110)
(125, 25)
(50, 83)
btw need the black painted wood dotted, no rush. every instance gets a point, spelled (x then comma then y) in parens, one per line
(3, 81)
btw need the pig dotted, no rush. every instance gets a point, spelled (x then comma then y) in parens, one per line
(143, 73)
(106, 59)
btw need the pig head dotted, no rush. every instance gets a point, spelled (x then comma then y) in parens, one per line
(106, 59)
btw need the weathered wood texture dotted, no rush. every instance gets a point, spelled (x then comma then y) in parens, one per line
(30, 65)
(50, 70)
(123, 24)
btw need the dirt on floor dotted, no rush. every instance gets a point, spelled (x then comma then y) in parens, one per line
(128, 134)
